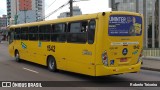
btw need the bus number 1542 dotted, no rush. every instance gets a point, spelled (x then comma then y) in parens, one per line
(51, 48)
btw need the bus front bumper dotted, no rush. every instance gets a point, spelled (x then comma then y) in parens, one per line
(102, 70)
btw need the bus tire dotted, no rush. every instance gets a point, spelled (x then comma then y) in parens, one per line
(52, 66)
(17, 56)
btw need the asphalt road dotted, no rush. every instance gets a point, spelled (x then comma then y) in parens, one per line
(26, 71)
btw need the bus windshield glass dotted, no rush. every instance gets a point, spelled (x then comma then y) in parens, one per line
(125, 25)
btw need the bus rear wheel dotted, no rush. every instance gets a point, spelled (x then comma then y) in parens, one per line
(17, 56)
(52, 64)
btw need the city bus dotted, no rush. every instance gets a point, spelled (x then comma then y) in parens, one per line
(100, 44)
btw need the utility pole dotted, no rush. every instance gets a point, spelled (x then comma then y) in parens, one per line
(137, 6)
(113, 6)
(25, 16)
(25, 11)
(71, 8)
(16, 16)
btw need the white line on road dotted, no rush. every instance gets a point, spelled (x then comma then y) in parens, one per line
(30, 70)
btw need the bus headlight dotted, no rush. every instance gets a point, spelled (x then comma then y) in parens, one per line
(105, 58)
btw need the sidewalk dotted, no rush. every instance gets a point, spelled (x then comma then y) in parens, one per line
(3, 43)
(151, 63)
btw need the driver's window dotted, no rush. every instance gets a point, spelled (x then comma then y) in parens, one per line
(11, 36)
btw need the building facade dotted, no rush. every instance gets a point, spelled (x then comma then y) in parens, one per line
(3, 22)
(150, 10)
(3, 27)
(25, 11)
(76, 11)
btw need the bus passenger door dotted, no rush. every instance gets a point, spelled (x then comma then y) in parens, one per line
(81, 54)
(58, 45)
(60, 55)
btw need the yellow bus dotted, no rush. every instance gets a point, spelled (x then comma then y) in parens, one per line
(98, 44)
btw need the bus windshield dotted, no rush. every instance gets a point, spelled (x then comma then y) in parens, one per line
(125, 25)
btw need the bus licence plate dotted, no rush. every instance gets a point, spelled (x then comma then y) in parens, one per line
(123, 60)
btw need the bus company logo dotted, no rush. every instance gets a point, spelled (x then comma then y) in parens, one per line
(135, 52)
(125, 51)
(24, 46)
(86, 52)
(118, 19)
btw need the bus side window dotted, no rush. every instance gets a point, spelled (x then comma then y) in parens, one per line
(91, 31)
(17, 34)
(77, 32)
(33, 33)
(24, 35)
(58, 33)
(44, 32)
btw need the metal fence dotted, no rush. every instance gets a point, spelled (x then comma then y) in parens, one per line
(151, 52)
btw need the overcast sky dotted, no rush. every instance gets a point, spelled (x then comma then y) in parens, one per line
(3, 7)
(91, 6)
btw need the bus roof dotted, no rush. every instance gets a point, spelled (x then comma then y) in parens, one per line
(69, 19)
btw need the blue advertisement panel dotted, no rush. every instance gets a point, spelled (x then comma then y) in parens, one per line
(125, 25)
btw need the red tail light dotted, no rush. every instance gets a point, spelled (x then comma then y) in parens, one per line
(105, 58)
(140, 56)
(141, 53)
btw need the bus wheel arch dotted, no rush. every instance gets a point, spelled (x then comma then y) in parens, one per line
(51, 63)
(17, 55)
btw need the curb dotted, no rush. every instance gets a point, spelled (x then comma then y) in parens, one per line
(151, 58)
(151, 69)
(4, 43)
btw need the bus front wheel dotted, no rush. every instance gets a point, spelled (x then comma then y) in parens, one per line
(17, 56)
(52, 64)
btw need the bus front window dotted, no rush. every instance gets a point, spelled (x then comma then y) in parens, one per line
(11, 37)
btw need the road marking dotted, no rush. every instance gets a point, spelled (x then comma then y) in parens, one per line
(30, 70)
